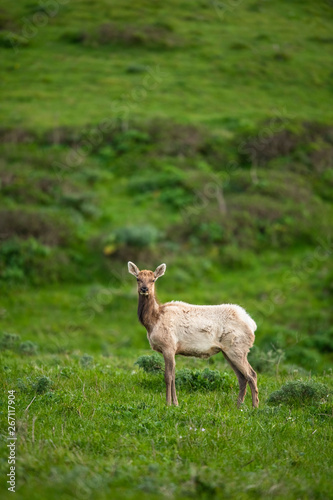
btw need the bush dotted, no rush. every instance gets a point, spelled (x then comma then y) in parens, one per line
(9, 341)
(299, 393)
(263, 361)
(19, 259)
(137, 236)
(10, 40)
(82, 202)
(204, 379)
(38, 385)
(41, 227)
(28, 348)
(86, 361)
(42, 384)
(153, 36)
(151, 364)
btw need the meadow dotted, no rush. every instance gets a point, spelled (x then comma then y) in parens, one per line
(196, 134)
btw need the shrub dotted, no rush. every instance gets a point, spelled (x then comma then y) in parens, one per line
(265, 361)
(204, 379)
(9, 341)
(10, 40)
(28, 348)
(298, 393)
(82, 202)
(42, 384)
(151, 364)
(25, 225)
(19, 259)
(153, 36)
(38, 385)
(137, 236)
(86, 361)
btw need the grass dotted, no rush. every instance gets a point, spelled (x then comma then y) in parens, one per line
(238, 58)
(216, 158)
(87, 429)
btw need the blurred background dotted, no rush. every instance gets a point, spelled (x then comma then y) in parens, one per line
(199, 134)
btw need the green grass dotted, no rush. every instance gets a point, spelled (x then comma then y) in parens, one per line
(101, 428)
(221, 166)
(238, 66)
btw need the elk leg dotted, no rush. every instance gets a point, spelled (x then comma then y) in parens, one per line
(173, 388)
(242, 382)
(241, 363)
(169, 376)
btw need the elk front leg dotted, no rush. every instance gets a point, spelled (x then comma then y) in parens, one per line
(169, 376)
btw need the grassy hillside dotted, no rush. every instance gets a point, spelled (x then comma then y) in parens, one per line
(217, 63)
(197, 134)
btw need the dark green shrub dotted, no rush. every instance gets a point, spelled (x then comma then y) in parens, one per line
(19, 259)
(265, 361)
(42, 384)
(28, 348)
(137, 236)
(82, 202)
(10, 40)
(136, 68)
(156, 181)
(204, 379)
(38, 385)
(151, 364)
(9, 341)
(299, 393)
(24, 224)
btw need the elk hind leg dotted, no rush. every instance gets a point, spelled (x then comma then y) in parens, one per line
(241, 363)
(242, 382)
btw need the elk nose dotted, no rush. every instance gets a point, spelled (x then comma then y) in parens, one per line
(144, 289)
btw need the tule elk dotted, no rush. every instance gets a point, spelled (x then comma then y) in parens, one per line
(191, 330)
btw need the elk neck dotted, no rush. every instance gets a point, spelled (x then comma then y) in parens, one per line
(148, 311)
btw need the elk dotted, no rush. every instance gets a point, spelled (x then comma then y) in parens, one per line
(195, 330)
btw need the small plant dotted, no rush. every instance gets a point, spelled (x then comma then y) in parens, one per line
(204, 379)
(86, 361)
(9, 341)
(38, 385)
(266, 362)
(298, 393)
(42, 384)
(151, 364)
(137, 236)
(28, 348)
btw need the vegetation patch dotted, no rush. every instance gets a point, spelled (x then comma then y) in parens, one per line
(299, 393)
(206, 379)
(153, 36)
(153, 363)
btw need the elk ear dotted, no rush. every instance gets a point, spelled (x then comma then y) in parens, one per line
(159, 271)
(133, 269)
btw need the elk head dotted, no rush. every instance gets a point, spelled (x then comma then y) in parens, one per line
(146, 279)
